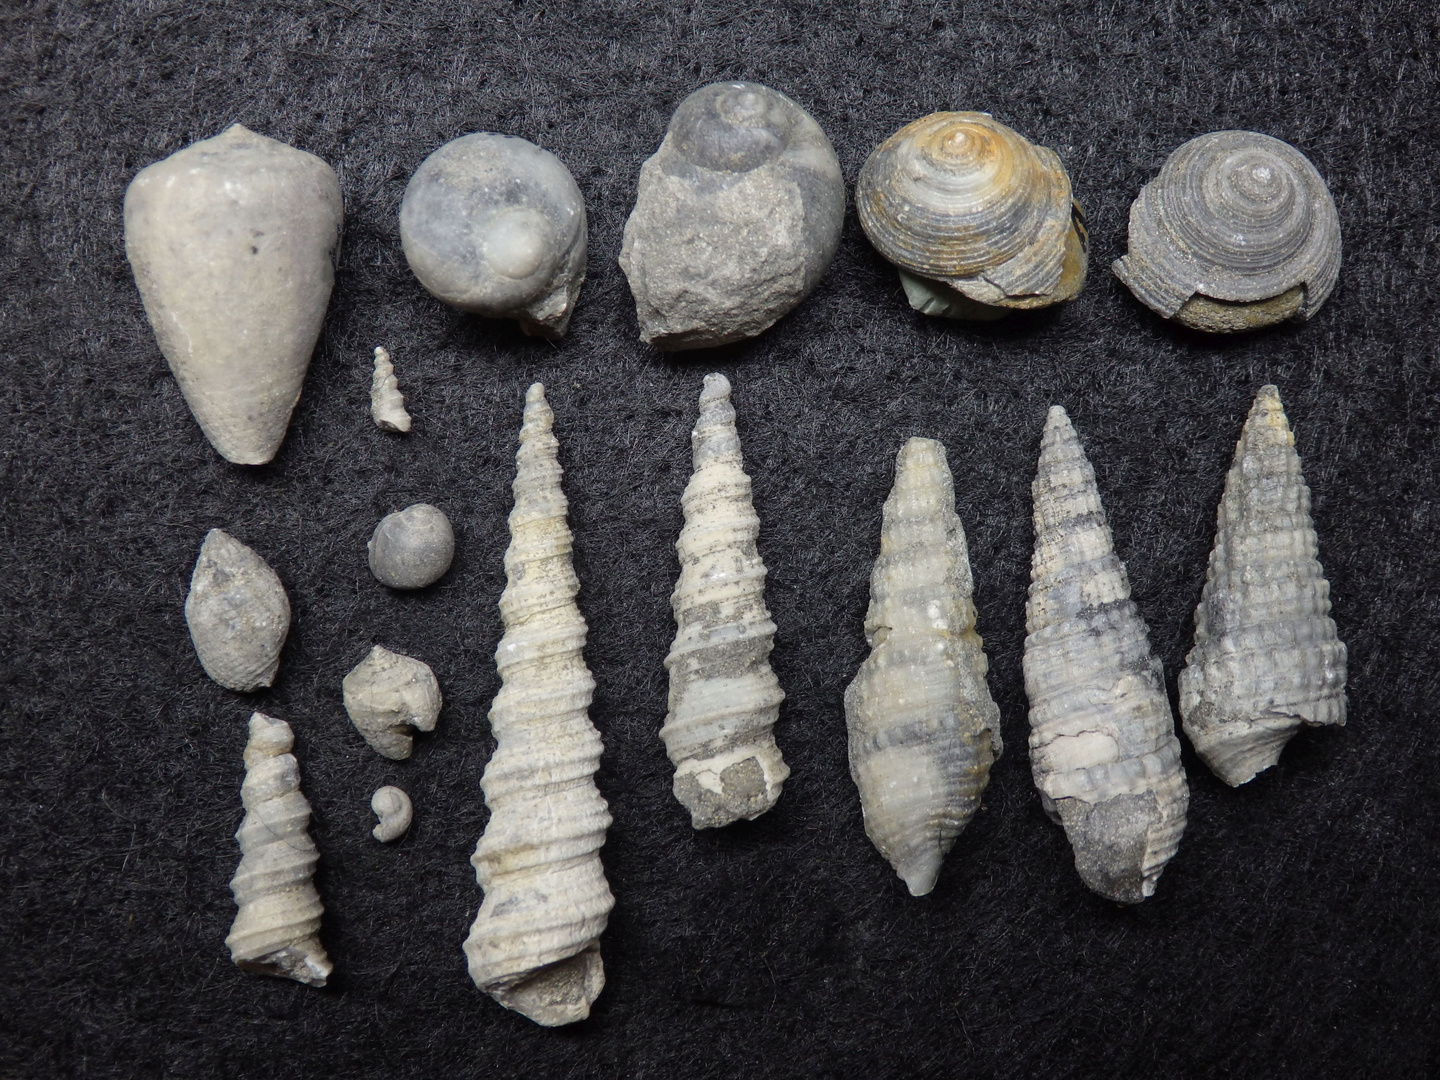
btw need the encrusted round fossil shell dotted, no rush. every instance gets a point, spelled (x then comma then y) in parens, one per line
(1238, 231)
(978, 219)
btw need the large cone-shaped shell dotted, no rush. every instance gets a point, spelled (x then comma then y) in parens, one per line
(233, 243)
(1103, 749)
(923, 728)
(1266, 656)
(535, 945)
(724, 699)
(237, 612)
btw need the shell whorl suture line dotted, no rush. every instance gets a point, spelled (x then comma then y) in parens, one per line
(724, 698)
(535, 944)
(1266, 657)
(237, 612)
(923, 730)
(387, 403)
(1103, 750)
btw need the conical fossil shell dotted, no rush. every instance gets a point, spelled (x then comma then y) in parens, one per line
(923, 728)
(1237, 231)
(237, 612)
(1103, 749)
(388, 696)
(495, 225)
(736, 218)
(277, 929)
(387, 404)
(979, 220)
(724, 699)
(233, 242)
(1266, 658)
(395, 811)
(535, 945)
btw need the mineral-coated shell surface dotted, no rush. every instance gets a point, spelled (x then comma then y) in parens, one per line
(388, 696)
(237, 612)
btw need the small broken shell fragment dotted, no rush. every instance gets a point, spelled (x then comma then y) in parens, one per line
(392, 806)
(237, 612)
(411, 548)
(387, 404)
(1266, 659)
(389, 696)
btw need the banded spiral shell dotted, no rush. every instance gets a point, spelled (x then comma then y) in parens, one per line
(1266, 657)
(237, 612)
(923, 728)
(1238, 231)
(1103, 750)
(979, 220)
(387, 403)
(535, 944)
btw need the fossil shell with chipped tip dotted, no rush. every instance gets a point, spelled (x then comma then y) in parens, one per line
(411, 548)
(237, 612)
(1238, 231)
(277, 929)
(736, 218)
(495, 225)
(388, 696)
(923, 728)
(1103, 750)
(233, 242)
(392, 806)
(978, 220)
(387, 404)
(535, 945)
(724, 699)
(1266, 657)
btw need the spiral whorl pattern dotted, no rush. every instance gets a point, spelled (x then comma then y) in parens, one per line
(733, 127)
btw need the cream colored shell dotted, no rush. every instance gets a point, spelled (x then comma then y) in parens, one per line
(395, 811)
(387, 404)
(388, 696)
(237, 612)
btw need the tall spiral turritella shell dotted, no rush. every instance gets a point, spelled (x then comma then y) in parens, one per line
(923, 728)
(277, 929)
(535, 945)
(1238, 231)
(724, 698)
(1266, 657)
(1103, 750)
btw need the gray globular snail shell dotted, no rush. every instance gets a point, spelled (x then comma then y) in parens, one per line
(978, 220)
(1237, 232)
(494, 225)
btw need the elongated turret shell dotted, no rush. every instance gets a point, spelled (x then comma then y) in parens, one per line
(1237, 231)
(395, 811)
(737, 217)
(1266, 658)
(923, 728)
(237, 612)
(389, 696)
(535, 945)
(978, 219)
(387, 403)
(724, 699)
(1103, 749)
(233, 243)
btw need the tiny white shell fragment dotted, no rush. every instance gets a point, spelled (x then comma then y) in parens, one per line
(389, 694)
(237, 612)
(387, 404)
(392, 806)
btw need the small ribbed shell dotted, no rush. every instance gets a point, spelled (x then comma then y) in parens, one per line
(923, 728)
(1103, 750)
(237, 612)
(535, 944)
(1237, 231)
(1266, 657)
(387, 403)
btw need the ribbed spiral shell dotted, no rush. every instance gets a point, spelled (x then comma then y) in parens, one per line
(237, 612)
(923, 728)
(1266, 657)
(535, 944)
(387, 403)
(1103, 750)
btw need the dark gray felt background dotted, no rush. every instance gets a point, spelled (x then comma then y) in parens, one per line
(1295, 934)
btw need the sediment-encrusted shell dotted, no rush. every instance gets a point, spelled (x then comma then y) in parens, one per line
(1237, 231)
(535, 945)
(395, 811)
(495, 225)
(923, 728)
(237, 612)
(411, 548)
(1266, 657)
(233, 242)
(277, 929)
(736, 218)
(979, 220)
(387, 404)
(724, 698)
(389, 696)
(1103, 750)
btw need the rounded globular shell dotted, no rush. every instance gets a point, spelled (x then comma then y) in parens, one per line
(411, 548)
(1238, 231)
(237, 612)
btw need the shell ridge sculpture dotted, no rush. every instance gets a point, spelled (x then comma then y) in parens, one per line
(534, 946)
(1266, 658)
(387, 403)
(1103, 750)
(237, 612)
(923, 729)
(724, 697)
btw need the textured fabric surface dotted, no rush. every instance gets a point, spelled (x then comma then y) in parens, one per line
(1293, 935)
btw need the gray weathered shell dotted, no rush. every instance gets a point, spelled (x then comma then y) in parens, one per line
(736, 218)
(388, 696)
(923, 728)
(387, 403)
(411, 548)
(1266, 657)
(233, 242)
(1238, 231)
(495, 225)
(237, 612)
(1103, 750)
(395, 811)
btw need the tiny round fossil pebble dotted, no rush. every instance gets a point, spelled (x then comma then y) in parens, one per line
(411, 548)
